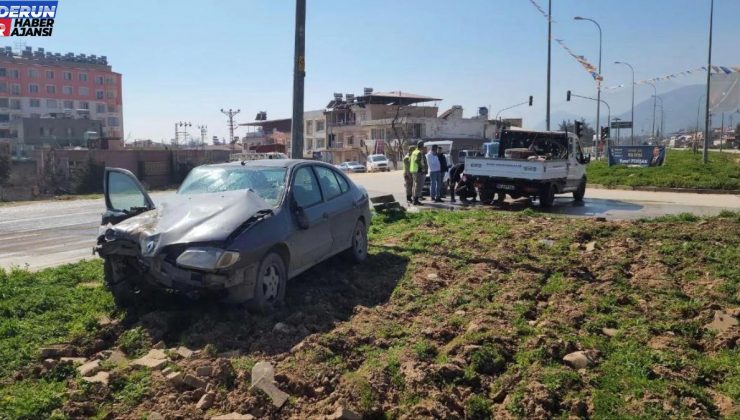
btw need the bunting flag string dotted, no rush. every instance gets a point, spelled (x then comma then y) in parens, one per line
(590, 68)
(715, 70)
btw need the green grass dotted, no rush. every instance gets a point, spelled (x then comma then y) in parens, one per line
(682, 169)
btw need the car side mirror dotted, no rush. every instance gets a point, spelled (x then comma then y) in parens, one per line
(300, 217)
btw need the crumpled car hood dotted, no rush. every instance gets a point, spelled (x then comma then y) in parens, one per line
(182, 219)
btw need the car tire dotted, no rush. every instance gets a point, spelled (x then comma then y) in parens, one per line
(357, 252)
(272, 278)
(486, 195)
(124, 293)
(581, 191)
(547, 195)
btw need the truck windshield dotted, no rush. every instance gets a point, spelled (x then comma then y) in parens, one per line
(267, 182)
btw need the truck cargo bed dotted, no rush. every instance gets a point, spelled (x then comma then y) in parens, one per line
(535, 170)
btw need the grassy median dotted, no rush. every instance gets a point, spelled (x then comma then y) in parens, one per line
(682, 169)
(454, 314)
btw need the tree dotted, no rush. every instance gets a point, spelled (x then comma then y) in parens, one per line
(90, 178)
(4, 169)
(398, 144)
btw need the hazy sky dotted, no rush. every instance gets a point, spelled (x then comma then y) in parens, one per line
(184, 60)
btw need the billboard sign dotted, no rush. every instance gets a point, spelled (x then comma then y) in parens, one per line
(637, 155)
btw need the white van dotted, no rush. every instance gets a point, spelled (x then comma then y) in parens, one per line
(378, 163)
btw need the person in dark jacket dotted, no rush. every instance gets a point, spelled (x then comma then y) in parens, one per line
(455, 173)
(443, 170)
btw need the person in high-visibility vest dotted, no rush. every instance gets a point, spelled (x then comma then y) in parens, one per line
(408, 180)
(418, 169)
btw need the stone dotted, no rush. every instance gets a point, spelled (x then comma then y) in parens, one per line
(432, 276)
(155, 359)
(590, 246)
(722, 322)
(230, 354)
(282, 328)
(460, 312)
(156, 353)
(166, 371)
(204, 371)
(609, 332)
(159, 345)
(193, 381)
(262, 370)
(206, 401)
(154, 416)
(546, 242)
(579, 359)
(57, 350)
(104, 321)
(344, 414)
(174, 378)
(184, 352)
(234, 416)
(73, 360)
(277, 396)
(90, 368)
(100, 378)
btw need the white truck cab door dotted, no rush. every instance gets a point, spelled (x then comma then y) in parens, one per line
(576, 162)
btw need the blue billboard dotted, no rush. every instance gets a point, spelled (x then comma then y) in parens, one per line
(637, 155)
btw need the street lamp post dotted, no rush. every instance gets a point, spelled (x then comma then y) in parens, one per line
(549, 55)
(655, 96)
(598, 85)
(662, 116)
(698, 113)
(632, 131)
(705, 152)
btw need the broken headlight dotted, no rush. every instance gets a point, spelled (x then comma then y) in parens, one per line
(207, 258)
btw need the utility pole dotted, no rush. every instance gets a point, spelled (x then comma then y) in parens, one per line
(176, 133)
(299, 74)
(231, 113)
(549, 56)
(705, 152)
(632, 130)
(598, 87)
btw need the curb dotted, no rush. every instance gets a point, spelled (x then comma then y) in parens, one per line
(665, 189)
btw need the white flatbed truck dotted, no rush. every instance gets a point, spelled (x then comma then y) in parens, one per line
(535, 164)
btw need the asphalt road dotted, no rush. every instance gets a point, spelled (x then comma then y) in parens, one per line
(47, 233)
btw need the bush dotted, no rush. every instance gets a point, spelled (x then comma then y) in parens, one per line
(487, 360)
(477, 408)
(135, 342)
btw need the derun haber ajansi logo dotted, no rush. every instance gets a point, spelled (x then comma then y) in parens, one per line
(27, 18)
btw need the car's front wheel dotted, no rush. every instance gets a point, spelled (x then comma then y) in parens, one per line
(271, 281)
(357, 252)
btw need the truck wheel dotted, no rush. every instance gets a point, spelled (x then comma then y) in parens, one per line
(124, 293)
(547, 195)
(272, 277)
(581, 191)
(485, 195)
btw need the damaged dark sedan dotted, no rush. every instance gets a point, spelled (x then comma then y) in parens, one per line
(236, 230)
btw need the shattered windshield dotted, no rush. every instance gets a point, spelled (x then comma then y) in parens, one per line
(267, 182)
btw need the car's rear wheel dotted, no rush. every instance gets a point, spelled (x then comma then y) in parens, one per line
(581, 191)
(271, 281)
(547, 195)
(357, 252)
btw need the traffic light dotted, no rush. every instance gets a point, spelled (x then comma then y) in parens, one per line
(530, 100)
(604, 133)
(578, 128)
(567, 96)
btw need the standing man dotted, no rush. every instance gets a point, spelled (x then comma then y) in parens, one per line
(418, 169)
(408, 179)
(434, 174)
(443, 168)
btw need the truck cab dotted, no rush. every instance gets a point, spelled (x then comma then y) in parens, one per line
(536, 164)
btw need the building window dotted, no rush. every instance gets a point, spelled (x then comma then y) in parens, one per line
(309, 127)
(51, 89)
(111, 108)
(67, 75)
(3, 87)
(51, 103)
(35, 103)
(108, 80)
(33, 88)
(33, 73)
(351, 141)
(67, 90)
(112, 94)
(319, 143)
(15, 104)
(113, 121)
(309, 144)
(4, 118)
(69, 105)
(15, 89)
(83, 91)
(99, 94)
(49, 75)
(319, 126)
(3, 72)
(84, 105)
(15, 74)
(82, 77)
(100, 108)
(98, 80)
(4, 102)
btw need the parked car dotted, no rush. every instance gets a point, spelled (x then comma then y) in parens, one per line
(378, 163)
(236, 230)
(353, 167)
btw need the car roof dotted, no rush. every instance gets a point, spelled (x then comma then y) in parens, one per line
(276, 163)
